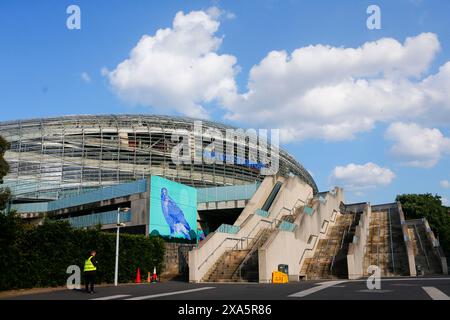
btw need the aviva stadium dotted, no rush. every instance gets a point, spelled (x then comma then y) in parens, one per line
(222, 220)
(51, 158)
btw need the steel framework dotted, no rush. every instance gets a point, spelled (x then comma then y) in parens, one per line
(55, 157)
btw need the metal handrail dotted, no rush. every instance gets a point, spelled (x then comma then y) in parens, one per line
(379, 240)
(340, 248)
(352, 222)
(309, 249)
(343, 237)
(214, 251)
(256, 224)
(275, 220)
(332, 264)
(254, 227)
(247, 237)
(249, 254)
(246, 220)
(378, 254)
(315, 266)
(392, 244)
(371, 244)
(421, 246)
(242, 241)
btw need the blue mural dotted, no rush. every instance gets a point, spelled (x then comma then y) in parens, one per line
(173, 209)
(174, 216)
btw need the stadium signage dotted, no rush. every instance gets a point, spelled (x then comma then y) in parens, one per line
(207, 145)
(222, 158)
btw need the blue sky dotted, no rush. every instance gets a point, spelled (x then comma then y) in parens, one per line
(42, 66)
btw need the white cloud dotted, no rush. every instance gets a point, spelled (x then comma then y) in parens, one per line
(354, 177)
(317, 91)
(178, 68)
(85, 77)
(415, 145)
(217, 13)
(333, 92)
(445, 202)
(445, 184)
(104, 71)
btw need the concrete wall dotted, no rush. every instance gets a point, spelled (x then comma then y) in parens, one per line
(355, 207)
(290, 248)
(218, 205)
(437, 248)
(357, 249)
(384, 206)
(176, 257)
(408, 242)
(203, 257)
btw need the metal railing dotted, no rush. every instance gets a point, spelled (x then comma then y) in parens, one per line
(97, 195)
(309, 210)
(227, 228)
(253, 249)
(231, 229)
(379, 240)
(308, 249)
(226, 193)
(287, 226)
(392, 242)
(103, 218)
(316, 264)
(214, 251)
(262, 213)
(275, 223)
(421, 246)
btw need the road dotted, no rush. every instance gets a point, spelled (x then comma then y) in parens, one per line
(393, 288)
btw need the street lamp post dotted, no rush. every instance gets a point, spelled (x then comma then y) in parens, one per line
(116, 272)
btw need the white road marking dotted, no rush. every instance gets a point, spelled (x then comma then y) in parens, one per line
(402, 279)
(309, 291)
(435, 293)
(169, 293)
(374, 291)
(118, 296)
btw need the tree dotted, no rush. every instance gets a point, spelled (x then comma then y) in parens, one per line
(4, 169)
(416, 206)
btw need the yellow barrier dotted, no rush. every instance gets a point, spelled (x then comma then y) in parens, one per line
(279, 277)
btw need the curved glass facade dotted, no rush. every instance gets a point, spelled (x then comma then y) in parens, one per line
(52, 158)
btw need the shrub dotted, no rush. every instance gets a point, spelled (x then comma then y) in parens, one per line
(38, 256)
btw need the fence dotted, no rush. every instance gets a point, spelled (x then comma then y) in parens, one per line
(107, 193)
(109, 217)
(226, 193)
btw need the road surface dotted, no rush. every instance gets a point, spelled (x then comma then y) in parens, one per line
(394, 288)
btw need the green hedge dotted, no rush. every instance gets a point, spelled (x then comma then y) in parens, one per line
(39, 256)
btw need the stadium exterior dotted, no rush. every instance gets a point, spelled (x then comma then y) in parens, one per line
(52, 158)
(241, 223)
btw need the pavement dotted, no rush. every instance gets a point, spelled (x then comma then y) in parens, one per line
(437, 288)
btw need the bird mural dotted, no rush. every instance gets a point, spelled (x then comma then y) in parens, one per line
(174, 216)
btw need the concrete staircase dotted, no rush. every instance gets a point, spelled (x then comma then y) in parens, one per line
(424, 253)
(225, 267)
(385, 245)
(237, 265)
(330, 256)
(242, 265)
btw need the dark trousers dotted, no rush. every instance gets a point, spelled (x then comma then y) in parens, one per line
(89, 279)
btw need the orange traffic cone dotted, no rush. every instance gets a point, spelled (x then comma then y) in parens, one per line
(155, 276)
(138, 276)
(148, 277)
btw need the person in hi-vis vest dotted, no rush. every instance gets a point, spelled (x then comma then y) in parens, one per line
(90, 269)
